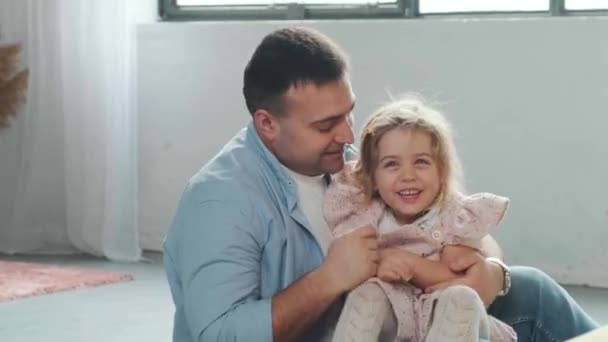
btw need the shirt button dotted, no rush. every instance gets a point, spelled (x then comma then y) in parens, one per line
(436, 235)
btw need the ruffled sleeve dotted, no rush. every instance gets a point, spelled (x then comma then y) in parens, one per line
(470, 218)
(343, 208)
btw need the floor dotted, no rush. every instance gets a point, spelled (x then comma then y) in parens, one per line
(140, 310)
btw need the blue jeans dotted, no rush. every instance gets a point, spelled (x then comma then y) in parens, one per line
(540, 310)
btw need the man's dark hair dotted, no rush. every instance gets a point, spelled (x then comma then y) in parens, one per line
(289, 57)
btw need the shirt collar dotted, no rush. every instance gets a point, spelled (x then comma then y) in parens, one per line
(286, 182)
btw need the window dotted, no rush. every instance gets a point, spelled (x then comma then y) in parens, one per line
(468, 6)
(339, 9)
(268, 3)
(280, 9)
(581, 5)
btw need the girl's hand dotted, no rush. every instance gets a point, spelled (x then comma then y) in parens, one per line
(396, 265)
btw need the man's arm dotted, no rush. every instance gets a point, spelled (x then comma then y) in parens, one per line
(216, 250)
(351, 259)
(483, 276)
(301, 304)
(490, 248)
(213, 252)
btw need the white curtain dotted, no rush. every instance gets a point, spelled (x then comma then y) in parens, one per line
(75, 140)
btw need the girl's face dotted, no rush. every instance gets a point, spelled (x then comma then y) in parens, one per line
(406, 176)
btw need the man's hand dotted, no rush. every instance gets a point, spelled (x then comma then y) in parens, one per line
(352, 259)
(459, 257)
(396, 265)
(483, 276)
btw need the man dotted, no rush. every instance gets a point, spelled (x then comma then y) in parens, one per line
(249, 256)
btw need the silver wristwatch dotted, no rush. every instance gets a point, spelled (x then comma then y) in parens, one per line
(506, 285)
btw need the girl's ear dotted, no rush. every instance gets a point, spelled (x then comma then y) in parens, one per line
(372, 181)
(374, 189)
(441, 193)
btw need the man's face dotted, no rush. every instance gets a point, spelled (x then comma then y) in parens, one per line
(311, 136)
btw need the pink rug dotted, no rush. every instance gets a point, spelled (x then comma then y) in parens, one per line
(20, 279)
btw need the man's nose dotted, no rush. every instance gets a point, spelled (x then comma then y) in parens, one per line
(345, 133)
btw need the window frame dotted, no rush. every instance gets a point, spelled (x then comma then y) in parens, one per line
(170, 11)
(590, 12)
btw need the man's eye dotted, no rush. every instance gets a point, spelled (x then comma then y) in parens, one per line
(324, 128)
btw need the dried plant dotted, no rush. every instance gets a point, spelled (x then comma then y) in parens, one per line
(12, 85)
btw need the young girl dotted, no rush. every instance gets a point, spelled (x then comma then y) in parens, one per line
(406, 184)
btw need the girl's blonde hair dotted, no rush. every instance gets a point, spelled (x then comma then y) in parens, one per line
(410, 113)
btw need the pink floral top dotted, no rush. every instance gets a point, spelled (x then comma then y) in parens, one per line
(463, 220)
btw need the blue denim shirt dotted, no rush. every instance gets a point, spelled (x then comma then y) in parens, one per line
(237, 238)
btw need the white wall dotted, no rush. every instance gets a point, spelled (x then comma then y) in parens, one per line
(9, 137)
(8, 173)
(528, 100)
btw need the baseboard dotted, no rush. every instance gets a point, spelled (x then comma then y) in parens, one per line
(591, 278)
(151, 242)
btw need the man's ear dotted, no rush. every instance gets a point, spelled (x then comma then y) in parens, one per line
(266, 124)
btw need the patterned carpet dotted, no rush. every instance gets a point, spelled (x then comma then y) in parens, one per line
(21, 279)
